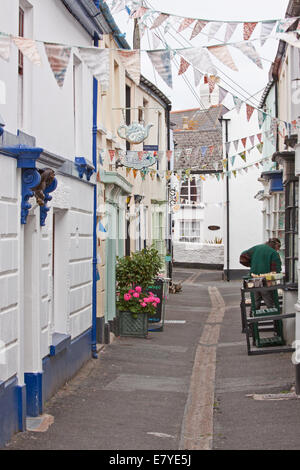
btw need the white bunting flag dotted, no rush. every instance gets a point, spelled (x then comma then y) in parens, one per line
(200, 59)
(231, 27)
(236, 144)
(197, 77)
(58, 57)
(249, 50)
(223, 55)
(266, 29)
(161, 61)
(132, 63)
(222, 94)
(29, 49)
(97, 60)
(5, 43)
(214, 28)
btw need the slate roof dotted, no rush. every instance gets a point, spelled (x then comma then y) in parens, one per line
(204, 130)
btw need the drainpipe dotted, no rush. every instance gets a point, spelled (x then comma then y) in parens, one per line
(227, 199)
(94, 293)
(170, 247)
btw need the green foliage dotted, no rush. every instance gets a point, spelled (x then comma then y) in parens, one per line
(139, 269)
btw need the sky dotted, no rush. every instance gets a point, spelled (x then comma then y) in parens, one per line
(247, 81)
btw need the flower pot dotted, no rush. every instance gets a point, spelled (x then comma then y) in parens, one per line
(131, 324)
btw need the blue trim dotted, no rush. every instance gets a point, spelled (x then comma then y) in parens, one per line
(59, 343)
(34, 393)
(9, 410)
(94, 292)
(84, 168)
(21, 393)
(30, 179)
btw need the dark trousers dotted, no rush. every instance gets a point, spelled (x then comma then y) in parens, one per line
(268, 298)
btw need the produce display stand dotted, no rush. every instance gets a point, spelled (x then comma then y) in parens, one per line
(261, 320)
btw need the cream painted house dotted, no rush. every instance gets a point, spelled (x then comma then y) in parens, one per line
(132, 207)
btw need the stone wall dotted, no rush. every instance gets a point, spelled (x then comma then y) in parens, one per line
(200, 253)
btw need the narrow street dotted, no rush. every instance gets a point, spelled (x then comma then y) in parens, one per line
(183, 388)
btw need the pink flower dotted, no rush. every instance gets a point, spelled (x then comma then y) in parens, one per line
(144, 304)
(136, 295)
(138, 289)
(151, 299)
(157, 300)
(127, 297)
(130, 291)
(154, 304)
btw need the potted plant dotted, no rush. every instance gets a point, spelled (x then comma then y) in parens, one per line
(135, 304)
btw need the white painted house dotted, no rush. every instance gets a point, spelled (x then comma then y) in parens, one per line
(47, 254)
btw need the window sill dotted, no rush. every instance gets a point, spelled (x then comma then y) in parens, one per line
(60, 342)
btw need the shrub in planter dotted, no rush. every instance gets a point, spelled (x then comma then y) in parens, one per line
(134, 275)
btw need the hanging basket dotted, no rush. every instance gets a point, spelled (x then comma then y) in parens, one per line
(131, 324)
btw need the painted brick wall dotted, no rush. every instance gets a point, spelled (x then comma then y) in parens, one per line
(9, 268)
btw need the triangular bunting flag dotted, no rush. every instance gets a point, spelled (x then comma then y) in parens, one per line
(159, 20)
(5, 43)
(200, 59)
(285, 24)
(222, 94)
(231, 27)
(198, 28)
(185, 24)
(128, 171)
(259, 137)
(197, 77)
(243, 156)
(233, 160)
(266, 29)
(134, 172)
(248, 30)
(249, 50)
(249, 111)
(238, 103)
(161, 61)
(97, 60)
(29, 49)
(223, 55)
(252, 139)
(227, 146)
(156, 41)
(184, 65)
(236, 144)
(139, 12)
(132, 63)
(212, 80)
(234, 173)
(58, 57)
(244, 141)
(214, 28)
(260, 147)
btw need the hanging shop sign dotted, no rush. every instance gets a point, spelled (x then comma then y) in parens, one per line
(135, 133)
(138, 160)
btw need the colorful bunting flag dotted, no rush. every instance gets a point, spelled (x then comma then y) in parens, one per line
(243, 156)
(249, 111)
(185, 24)
(244, 141)
(198, 28)
(159, 20)
(184, 65)
(58, 57)
(259, 136)
(134, 172)
(238, 103)
(285, 24)
(233, 160)
(161, 61)
(212, 80)
(28, 48)
(132, 63)
(248, 30)
(260, 147)
(200, 59)
(252, 139)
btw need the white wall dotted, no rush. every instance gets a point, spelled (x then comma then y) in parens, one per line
(245, 211)
(45, 101)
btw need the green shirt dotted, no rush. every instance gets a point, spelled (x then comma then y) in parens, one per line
(264, 259)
